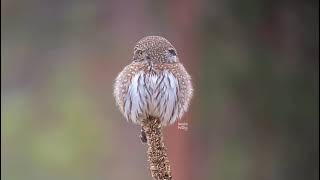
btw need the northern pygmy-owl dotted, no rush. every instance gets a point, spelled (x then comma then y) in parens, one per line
(154, 84)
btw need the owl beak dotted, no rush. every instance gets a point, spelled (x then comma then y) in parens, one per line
(148, 58)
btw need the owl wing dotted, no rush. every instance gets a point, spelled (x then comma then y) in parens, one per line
(122, 84)
(185, 87)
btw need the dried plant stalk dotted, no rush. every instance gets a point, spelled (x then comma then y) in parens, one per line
(157, 152)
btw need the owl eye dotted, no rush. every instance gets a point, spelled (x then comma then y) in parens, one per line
(138, 52)
(172, 52)
(138, 55)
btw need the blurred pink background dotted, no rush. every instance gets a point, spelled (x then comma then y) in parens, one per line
(255, 71)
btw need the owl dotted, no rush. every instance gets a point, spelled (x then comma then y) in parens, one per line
(155, 84)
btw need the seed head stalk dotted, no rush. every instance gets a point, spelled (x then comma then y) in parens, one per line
(157, 152)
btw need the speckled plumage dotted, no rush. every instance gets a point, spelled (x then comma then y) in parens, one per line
(155, 84)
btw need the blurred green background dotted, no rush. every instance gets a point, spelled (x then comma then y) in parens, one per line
(255, 71)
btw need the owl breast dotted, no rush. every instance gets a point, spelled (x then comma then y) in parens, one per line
(152, 94)
(163, 91)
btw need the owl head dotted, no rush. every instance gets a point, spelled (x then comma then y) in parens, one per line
(155, 49)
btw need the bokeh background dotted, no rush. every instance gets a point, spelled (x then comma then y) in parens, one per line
(255, 69)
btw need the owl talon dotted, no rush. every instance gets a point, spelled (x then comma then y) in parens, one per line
(143, 136)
